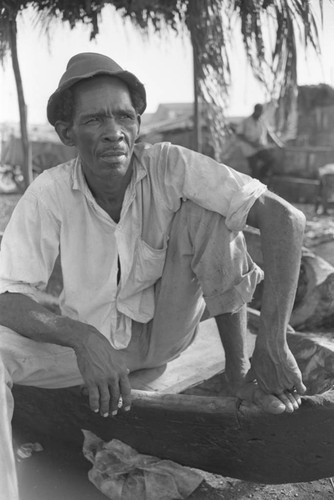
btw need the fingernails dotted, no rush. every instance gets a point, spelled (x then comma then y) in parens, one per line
(278, 404)
(96, 410)
(127, 408)
(105, 414)
(114, 413)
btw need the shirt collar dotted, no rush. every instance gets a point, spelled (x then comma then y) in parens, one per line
(78, 178)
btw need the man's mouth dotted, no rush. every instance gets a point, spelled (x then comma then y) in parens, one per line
(113, 154)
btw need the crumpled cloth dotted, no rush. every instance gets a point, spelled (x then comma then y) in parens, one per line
(121, 473)
(27, 449)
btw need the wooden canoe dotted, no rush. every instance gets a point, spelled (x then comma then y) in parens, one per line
(203, 427)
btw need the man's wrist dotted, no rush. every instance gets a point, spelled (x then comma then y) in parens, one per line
(270, 336)
(73, 333)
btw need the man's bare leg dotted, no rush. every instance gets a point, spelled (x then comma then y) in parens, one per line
(232, 330)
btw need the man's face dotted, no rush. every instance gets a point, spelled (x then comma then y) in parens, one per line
(258, 111)
(105, 127)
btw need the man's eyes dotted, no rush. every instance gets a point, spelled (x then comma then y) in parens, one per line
(91, 120)
(124, 116)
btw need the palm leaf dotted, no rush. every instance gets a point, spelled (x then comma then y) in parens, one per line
(268, 29)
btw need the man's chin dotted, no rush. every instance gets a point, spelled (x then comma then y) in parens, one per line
(119, 167)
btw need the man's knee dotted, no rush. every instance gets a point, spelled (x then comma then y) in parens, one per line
(198, 220)
(159, 355)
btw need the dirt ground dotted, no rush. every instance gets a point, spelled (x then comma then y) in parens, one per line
(57, 473)
(63, 476)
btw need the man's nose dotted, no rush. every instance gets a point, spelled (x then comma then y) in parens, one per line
(112, 130)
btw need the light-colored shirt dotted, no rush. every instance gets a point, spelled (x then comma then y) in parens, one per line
(255, 131)
(58, 214)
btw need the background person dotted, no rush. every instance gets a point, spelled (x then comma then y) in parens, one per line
(257, 145)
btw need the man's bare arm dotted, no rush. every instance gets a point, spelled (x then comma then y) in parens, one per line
(282, 228)
(101, 366)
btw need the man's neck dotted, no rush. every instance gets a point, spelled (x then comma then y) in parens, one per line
(110, 195)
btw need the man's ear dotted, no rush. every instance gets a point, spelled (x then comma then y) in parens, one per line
(64, 131)
(139, 123)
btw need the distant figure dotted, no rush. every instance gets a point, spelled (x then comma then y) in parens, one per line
(254, 134)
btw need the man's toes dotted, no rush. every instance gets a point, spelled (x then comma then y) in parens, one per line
(268, 402)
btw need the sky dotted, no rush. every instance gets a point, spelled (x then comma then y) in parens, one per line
(164, 64)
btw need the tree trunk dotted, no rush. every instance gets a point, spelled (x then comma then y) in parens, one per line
(26, 147)
(193, 10)
(197, 117)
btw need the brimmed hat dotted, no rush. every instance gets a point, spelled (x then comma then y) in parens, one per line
(89, 64)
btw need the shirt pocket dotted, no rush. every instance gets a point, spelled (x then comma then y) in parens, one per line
(148, 265)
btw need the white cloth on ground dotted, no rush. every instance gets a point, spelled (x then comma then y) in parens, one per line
(121, 473)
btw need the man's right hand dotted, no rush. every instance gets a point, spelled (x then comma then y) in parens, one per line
(104, 373)
(102, 367)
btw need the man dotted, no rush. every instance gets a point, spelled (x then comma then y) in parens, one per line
(254, 134)
(147, 235)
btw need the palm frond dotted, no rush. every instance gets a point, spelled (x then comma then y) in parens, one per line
(209, 28)
(276, 69)
(268, 29)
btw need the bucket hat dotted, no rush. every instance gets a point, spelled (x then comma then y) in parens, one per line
(86, 65)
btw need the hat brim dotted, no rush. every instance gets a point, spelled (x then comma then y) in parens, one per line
(128, 78)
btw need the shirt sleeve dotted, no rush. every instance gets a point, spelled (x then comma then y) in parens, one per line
(29, 247)
(212, 185)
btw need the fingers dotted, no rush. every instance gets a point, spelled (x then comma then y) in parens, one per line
(287, 401)
(126, 392)
(108, 398)
(284, 402)
(94, 398)
(300, 387)
(99, 399)
(268, 402)
(285, 388)
(120, 395)
(291, 399)
(251, 392)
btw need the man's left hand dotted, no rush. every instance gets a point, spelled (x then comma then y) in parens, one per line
(277, 373)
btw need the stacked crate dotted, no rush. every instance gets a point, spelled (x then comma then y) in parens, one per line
(316, 126)
(313, 147)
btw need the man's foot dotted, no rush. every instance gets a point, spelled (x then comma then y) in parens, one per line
(285, 402)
